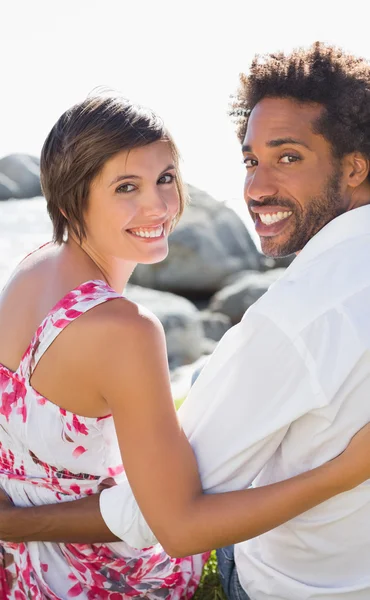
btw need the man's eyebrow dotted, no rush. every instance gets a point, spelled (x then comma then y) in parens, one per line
(123, 177)
(286, 140)
(275, 143)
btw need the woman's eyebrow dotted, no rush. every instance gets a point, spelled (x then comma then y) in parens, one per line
(128, 176)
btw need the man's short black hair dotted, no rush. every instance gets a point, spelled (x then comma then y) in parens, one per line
(323, 74)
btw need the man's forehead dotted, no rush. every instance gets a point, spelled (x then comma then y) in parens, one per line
(278, 118)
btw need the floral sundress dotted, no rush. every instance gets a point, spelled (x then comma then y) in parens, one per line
(49, 455)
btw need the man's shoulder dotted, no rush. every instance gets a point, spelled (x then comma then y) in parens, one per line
(318, 289)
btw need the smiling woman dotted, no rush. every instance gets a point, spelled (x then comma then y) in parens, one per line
(132, 214)
(100, 143)
(110, 176)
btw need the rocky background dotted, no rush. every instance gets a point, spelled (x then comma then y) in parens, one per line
(212, 274)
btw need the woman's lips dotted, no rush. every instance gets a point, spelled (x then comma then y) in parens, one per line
(148, 234)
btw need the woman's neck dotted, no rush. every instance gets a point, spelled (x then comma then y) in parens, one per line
(115, 272)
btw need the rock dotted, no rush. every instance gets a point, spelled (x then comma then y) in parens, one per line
(214, 324)
(210, 243)
(8, 189)
(243, 290)
(35, 159)
(179, 317)
(24, 172)
(208, 346)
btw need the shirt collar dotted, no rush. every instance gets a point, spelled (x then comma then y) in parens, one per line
(350, 224)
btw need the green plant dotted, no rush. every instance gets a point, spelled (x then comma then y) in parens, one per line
(210, 587)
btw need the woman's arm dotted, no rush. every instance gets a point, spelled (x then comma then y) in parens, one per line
(133, 377)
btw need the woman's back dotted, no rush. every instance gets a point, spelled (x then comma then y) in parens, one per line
(64, 374)
(51, 454)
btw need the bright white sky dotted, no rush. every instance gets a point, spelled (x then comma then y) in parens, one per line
(180, 57)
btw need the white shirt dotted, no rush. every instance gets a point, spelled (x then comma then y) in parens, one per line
(284, 391)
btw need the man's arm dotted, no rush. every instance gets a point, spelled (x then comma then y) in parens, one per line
(78, 521)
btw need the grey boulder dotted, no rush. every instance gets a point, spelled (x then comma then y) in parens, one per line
(243, 290)
(180, 320)
(21, 173)
(8, 189)
(215, 324)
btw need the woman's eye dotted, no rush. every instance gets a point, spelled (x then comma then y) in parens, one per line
(288, 159)
(250, 162)
(168, 178)
(125, 188)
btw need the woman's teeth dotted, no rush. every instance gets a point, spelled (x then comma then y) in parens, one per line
(148, 233)
(268, 218)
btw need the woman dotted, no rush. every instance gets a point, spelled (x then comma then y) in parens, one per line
(84, 381)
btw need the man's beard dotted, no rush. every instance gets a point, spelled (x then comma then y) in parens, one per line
(320, 211)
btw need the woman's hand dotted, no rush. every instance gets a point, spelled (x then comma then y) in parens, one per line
(355, 459)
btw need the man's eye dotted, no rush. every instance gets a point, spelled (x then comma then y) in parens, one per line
(289, 158)
(167, 178)
(126, 188)
(250, 162)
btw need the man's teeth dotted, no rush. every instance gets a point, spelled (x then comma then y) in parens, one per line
(268, 218)
(148, 233)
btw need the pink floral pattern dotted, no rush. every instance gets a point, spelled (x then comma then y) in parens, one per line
(48, 455)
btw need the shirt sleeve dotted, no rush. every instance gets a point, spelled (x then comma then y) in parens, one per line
(257, 382)
(123, 517)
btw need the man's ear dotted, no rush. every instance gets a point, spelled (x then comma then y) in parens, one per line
(356, 168)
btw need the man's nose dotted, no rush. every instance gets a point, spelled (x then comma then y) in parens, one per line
(259, 185)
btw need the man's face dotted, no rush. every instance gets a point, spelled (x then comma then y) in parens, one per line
(293, 184)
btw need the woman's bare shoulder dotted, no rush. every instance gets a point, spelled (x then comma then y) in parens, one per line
(122, 316)
(121, 338)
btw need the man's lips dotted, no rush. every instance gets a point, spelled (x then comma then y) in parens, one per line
(263, 210)
(270, 221)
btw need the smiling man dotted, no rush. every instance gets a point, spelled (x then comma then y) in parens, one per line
(298, 371)
(293, 182)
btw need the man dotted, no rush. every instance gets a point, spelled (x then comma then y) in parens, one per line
(304, 124)
(288, 387)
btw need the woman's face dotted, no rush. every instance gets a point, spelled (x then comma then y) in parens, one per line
(132, 203)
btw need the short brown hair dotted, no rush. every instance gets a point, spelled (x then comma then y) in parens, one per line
(80, 143)
(327, 75)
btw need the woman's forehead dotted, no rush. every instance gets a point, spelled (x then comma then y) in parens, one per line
(141, 161)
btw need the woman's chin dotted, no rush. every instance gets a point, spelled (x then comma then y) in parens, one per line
(153, 257)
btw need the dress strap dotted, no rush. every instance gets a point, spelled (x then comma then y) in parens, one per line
(35, 250)
(70, 307)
